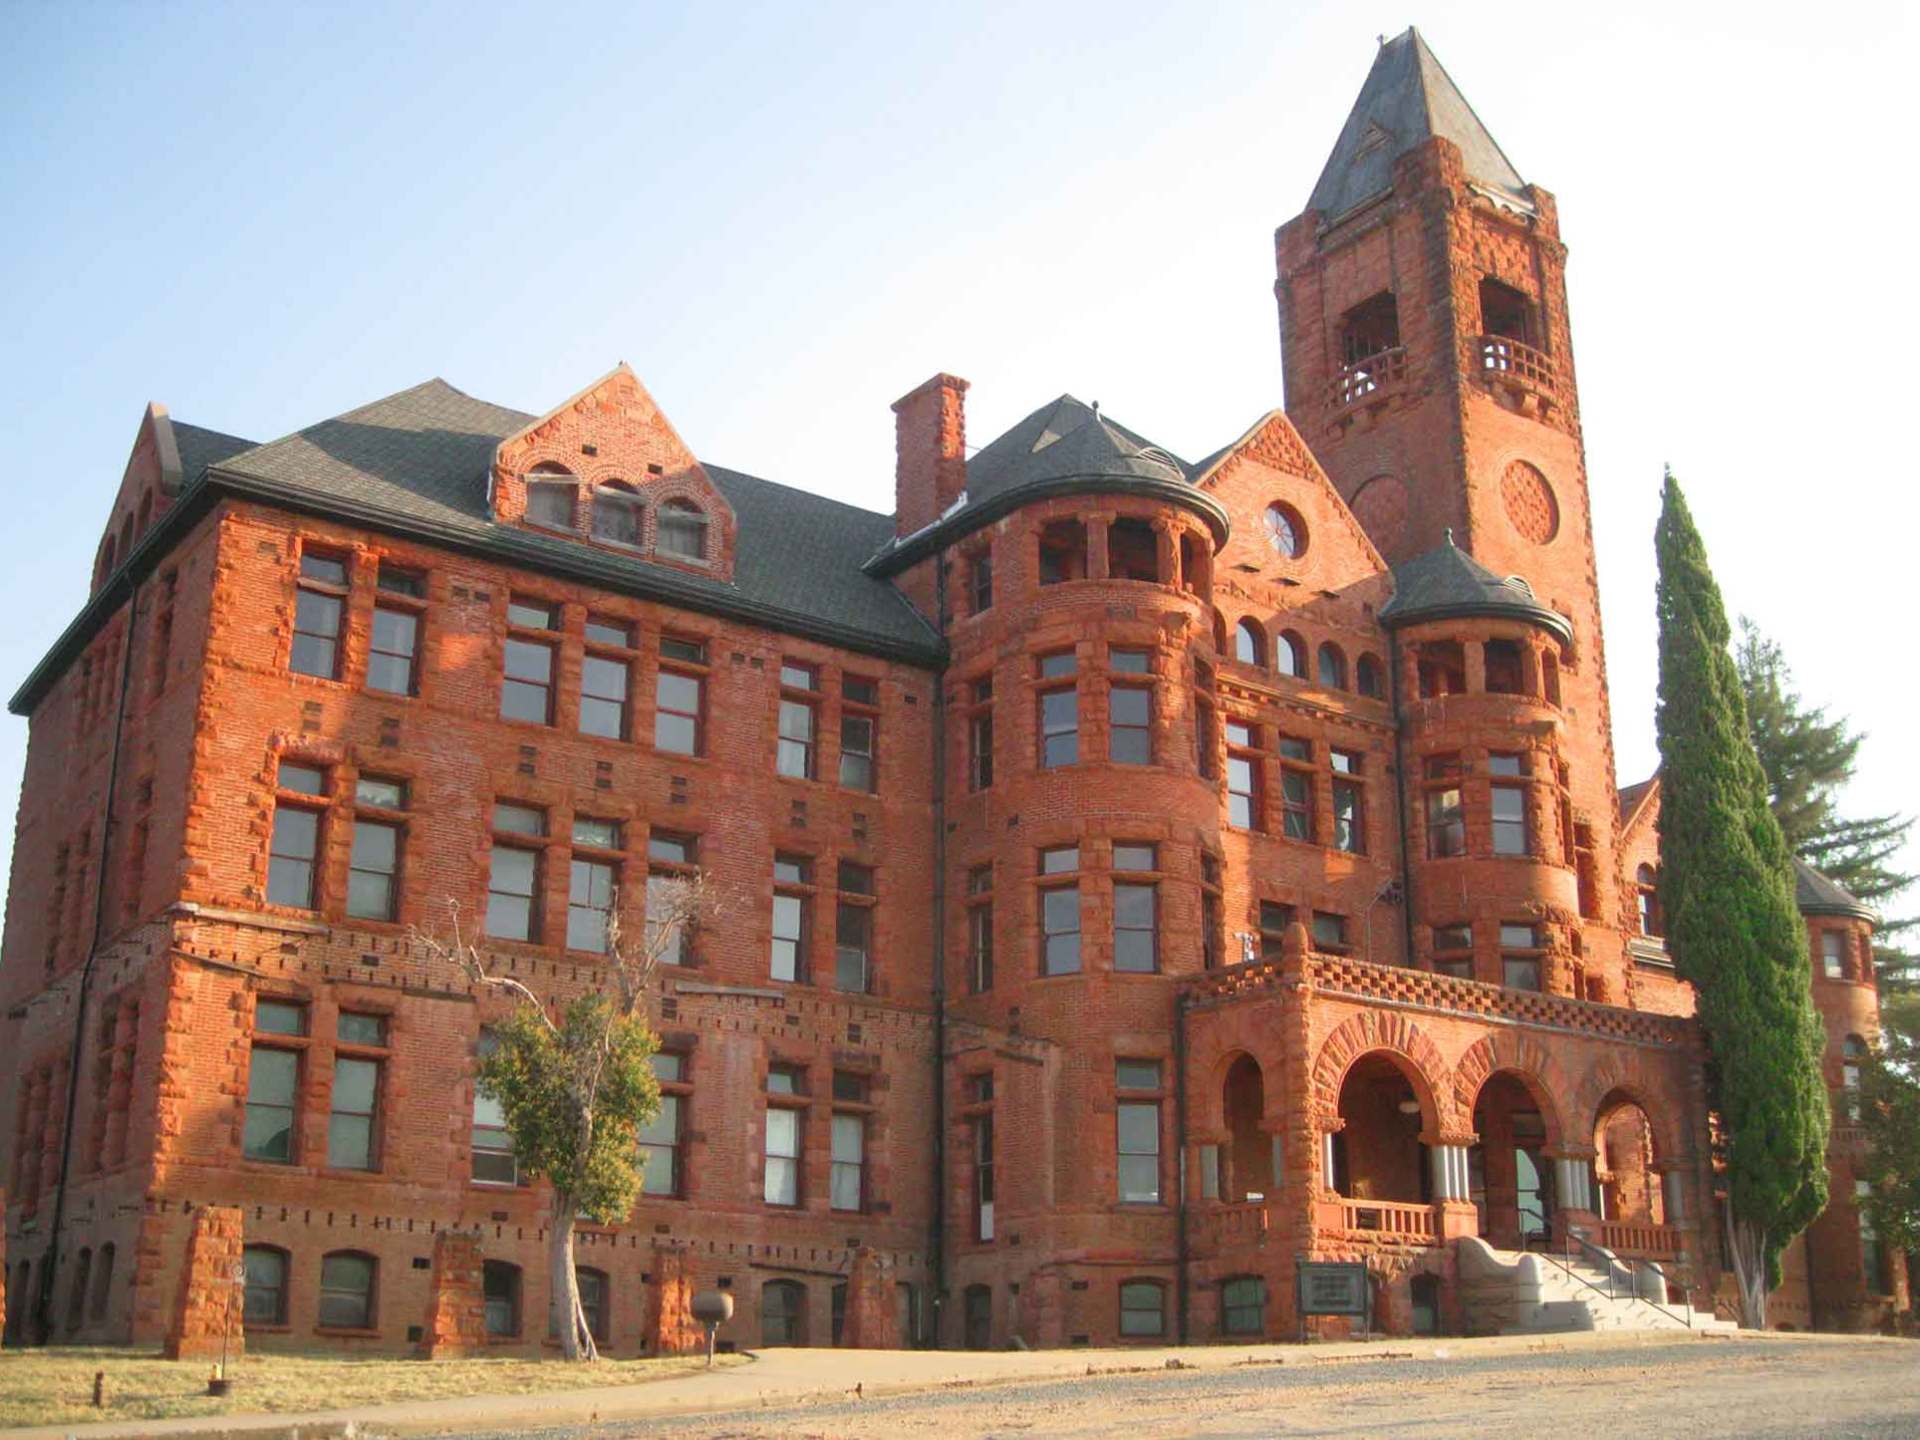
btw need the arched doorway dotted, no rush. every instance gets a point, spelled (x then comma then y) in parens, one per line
(1377, 1153)
(1510, 1179)
(1626, 1183)
(1250, 1172)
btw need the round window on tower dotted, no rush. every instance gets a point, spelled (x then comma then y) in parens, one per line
(1286, 531)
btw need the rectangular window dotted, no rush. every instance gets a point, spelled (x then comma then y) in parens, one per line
(1446, 824)
(1243, 788)
(294, 852)
(1059, 728)
(1275, 918)
(980, 734)
(394, 644)
(351, 1127)
(849, 1162)
(1296, 803)
(792, 879)
(980, 584)
(526, 684)
(493, 1159)
(782, 1185)
(859, 733)
(373, 873)
(590, 887)
(1329, 932)
(1127, 661)
(1505, 765)
(273, 1085)
(1212, 923)
(1138, 1130)
(1206, 758)
(671, 859)
(1349, 817)
(532, 614)
(1453, 950)
(1136, 939)
(983, 1174)
(1130, 725)
(513, 876)
(1833, 954)
(1519, 971)
(798, 724)
(1143, 1308)
(319, 604)
(603, 696)
(678, 694)
(980, 929)
(660, 1138)
(1509, 820)
(1060, 914)
(853, 929)
(346, 1292)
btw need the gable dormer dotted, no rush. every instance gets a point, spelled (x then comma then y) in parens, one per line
(607, 469)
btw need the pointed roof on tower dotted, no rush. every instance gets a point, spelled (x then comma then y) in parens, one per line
(1408, 98)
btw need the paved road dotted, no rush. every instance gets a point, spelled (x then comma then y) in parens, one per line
(1758, 1390)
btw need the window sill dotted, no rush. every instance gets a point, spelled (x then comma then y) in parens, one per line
(254, 1327)
(347, 1332)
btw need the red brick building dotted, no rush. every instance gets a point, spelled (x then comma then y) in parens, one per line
(1138, 875)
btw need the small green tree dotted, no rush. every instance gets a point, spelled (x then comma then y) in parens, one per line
(1726, 886)
(576, 1082)
(1890, 1115)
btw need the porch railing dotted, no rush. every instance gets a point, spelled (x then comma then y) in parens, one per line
(1501, 355)
(1364, 377)
(1392, 1218)
(1626, 1237)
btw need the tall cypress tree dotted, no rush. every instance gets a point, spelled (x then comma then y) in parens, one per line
(1726, 885)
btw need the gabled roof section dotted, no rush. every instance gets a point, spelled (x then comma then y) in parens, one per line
(1274, 440)
(1064, 447)
(1407, 99)
(1637, 801)
(1447, 583)
(198, 447)
(1818, 894)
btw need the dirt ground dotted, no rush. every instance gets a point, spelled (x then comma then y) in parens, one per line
(1749, 1388)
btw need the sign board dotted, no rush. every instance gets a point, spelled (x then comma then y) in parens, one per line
(1328, 1287)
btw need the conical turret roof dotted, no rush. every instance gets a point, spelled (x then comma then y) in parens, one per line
(1447, 583)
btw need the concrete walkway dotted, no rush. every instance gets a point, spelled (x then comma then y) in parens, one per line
(788, 1376)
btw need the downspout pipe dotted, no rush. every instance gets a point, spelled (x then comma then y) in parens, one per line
(937, 1239)
(42, 1326)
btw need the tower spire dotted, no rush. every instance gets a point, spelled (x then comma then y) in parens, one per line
(1408, 98)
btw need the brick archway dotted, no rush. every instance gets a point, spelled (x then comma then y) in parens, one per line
(1393, 1033)
(1527, 1061)
(1630, 1078)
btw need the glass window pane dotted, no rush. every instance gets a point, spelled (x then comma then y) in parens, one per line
(677, 734)
(1136, 1074)
(278, 1017)
(350, 1142)
(362, 1029)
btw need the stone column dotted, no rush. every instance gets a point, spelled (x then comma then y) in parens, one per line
(870, 1322)
(1573, 1182)
(457, 1307)
(1452, 1189)
(670, 1328)
(1098, 567)
(207, 1309)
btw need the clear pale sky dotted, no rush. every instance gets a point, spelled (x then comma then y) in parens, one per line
(786, 216)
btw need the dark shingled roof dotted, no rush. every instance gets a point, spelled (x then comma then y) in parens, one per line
(1407, 99)
(1447, 583)
(1816, 894)
(200, 448)
(420, 460)
(1065, 446)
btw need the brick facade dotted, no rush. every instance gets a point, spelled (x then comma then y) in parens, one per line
(1117, 900)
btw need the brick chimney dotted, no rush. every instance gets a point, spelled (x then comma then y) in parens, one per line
(930, 439)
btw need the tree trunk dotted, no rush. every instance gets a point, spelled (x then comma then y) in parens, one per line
(1748, 1244)
(576, 1336)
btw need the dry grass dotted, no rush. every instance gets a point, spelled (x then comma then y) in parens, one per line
(55, 1386)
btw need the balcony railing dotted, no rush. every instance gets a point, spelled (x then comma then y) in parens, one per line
(1626, 1238)
(1389, 1219)
(1370, 376)
(1513, 362)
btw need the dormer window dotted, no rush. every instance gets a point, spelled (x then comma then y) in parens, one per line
(682, 531)
(616, 514)
(550, 495)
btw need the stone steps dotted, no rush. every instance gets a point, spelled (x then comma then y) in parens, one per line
(1506, 1292)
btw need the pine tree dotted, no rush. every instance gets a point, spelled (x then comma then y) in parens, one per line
(1726, 886)
(1808, 759)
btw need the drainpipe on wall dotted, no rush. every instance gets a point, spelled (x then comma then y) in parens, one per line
(1180, 1170)
(42, 1326)
(938, 1236)
(1400, 790)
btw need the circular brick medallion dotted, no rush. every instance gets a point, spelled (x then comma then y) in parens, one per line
(1380, 506)
(1530, 504)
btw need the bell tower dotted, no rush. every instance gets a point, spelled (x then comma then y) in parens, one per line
(1429, 364)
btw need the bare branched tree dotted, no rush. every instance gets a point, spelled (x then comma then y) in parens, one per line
(575, 1080)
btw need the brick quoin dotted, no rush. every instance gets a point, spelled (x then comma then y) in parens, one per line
(1226, 855)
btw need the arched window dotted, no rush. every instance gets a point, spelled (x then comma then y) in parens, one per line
(146, 512)
(1243, 1305)
(500, 1298)
(1290, 655)
(783, 1313)
(265, 1300)
(616, 514)
(1249, 644)
(1370, 678)
(1219, 633)
(346, 1290)
(102, 1284)
(77, 1295)
(1647, 882)
(683, 531)
(551, 490)
(1143, 1309)
(126, 536)
(1333, 667)
(106, 557)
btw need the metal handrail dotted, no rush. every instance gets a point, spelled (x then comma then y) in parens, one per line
(1606, 1262)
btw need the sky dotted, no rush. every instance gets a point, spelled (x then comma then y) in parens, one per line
(786, 216)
